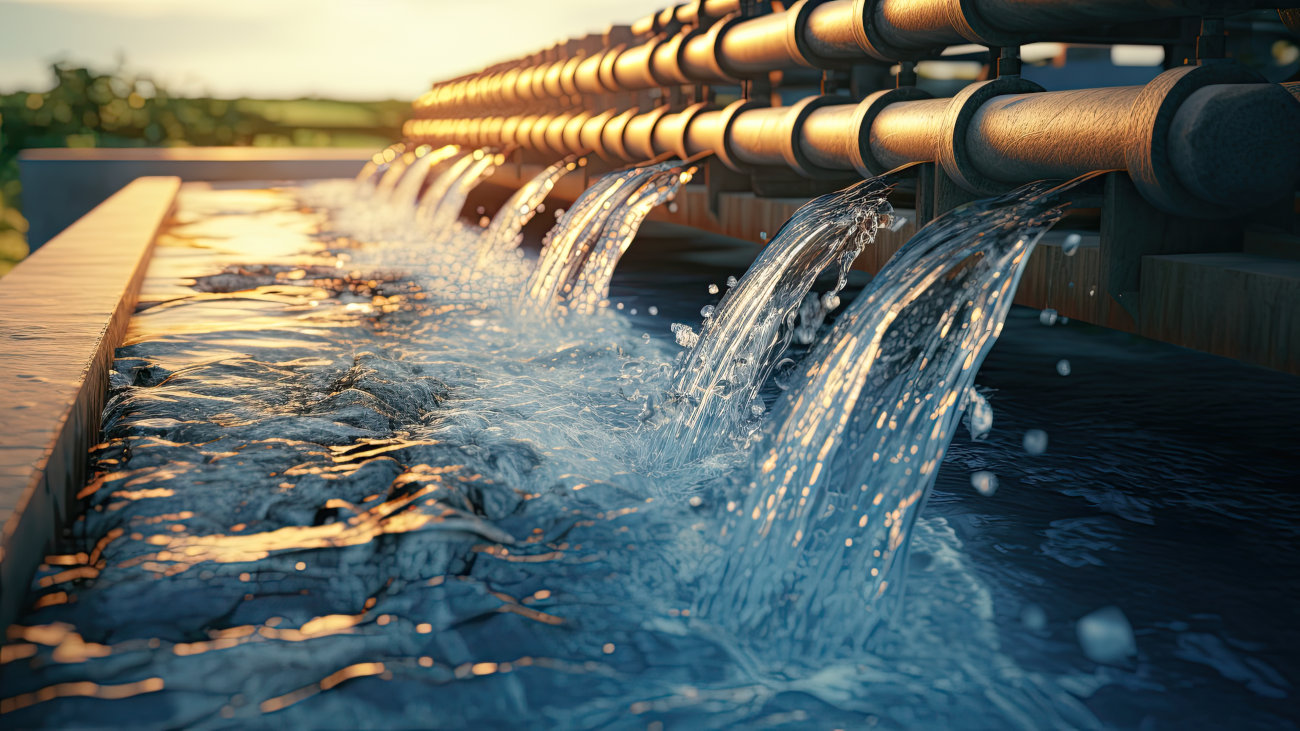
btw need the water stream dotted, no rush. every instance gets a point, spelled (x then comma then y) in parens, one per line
(344, 483)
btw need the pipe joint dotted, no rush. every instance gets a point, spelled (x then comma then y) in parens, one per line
(954, 152)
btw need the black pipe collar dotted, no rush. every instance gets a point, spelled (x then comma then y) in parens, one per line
(864, 116)
(953, 154)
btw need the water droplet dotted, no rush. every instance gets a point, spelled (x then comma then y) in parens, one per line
(979, 416)
(706, 311)
(685, 336)
(762, 235)
(645, 337)
(757, 408)
(1063, 367)
(652, 310)
(784, 373)
(480, 210)
(984, 482)
(632, 311)
(830, 301)
(696, 501)
(1047, 317)
(619, 306)
(1033, 618)
(732, 282)
(672, 207)
(1071, 245)
(1106, 636)
(1035, 442)
(558, 212)
(713, 289)
(896, 223)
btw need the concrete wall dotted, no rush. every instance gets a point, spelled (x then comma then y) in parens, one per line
(61, 185)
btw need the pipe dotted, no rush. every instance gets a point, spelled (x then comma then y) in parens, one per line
(811, 33)
(1202, 141)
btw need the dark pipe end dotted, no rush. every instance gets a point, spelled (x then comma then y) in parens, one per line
(1237, 144)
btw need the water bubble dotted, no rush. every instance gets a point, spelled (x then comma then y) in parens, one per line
(984, 482)
(713, 289)
(1063, 367)
(1033, 618)
(979, 416)
(645, 337)
(1048, 317)
(784, 374)
(731, 282)
(706, 311)
(652, 310)
(685, 336)
(1071, 245)
(1106, 636)
(1035, 442)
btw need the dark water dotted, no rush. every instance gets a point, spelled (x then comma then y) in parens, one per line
(341, 487)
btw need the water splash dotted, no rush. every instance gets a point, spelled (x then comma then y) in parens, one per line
(719, 380)
(823, 529)
(377, 165)
(590, 289)
(406, 193)
(443, 201)
(568, 244)
(505, 231)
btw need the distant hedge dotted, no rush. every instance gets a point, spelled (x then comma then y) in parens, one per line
(86, 108)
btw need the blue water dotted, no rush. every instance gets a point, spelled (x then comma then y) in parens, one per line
(355, 488)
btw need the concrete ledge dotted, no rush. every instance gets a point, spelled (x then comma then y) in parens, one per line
(1244, 306)
(63, 311)
(61, 185)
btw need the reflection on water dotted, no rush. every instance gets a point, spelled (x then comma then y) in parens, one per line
(342, 484)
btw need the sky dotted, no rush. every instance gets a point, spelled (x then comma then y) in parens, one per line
(345, 49)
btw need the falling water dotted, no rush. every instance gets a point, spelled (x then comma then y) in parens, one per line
(590, 288)
(375, 168)
(570, 242)
(443, 201)
(504, 233)
(406, 193)
(824, 527)
(718, 382)
(397, 170)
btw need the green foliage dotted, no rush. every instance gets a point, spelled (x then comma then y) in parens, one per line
(91, 109)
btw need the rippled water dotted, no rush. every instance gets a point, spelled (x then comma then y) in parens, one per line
(344, 485)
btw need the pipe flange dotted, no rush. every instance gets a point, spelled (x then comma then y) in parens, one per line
(653, 116)
(718, 63)
(965, 18)
(611, 137)
(1152, 116)
(869, 40)
(953, 153)
(589, 137)
(684, 119)
(605, 73)
(864, 161)
(791, 126)
(567, 73)
(796, 37)
(727, 154)
(571, 135)
(671, 52)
